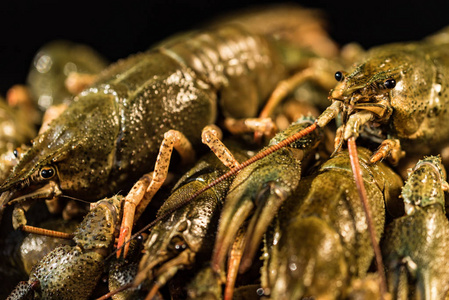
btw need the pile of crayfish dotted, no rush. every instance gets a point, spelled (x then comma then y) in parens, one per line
(301, 170)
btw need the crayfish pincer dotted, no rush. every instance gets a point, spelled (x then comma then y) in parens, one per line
(259, 190)
(415, 245)
(73, 272)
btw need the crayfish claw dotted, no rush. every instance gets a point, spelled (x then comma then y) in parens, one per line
(413, 260)
(24, 290)
(260, 221)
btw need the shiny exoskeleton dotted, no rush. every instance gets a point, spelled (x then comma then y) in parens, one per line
(415, 245)
(110, 134)
(319, 240)
(177, 241)
(186, 238)
(259, 190)
(122, 271)
(19, 251)
(397, 95)
(72, 272)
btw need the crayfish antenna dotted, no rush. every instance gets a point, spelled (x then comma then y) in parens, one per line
(362, 193)
(46, 232)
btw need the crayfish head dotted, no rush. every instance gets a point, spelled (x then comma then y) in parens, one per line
(29, 181)
(74, 154)
(362, 85)
(33, 188)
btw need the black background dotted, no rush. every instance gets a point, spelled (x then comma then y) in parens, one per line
(120, 28)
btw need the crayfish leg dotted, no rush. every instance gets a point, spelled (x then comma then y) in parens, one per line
(211, 136)
(145, 189)
(169, 273)
(172, 139)
(234, 260)
(18, 215)
(136, 194)
(318, 71)
(390, 148)
(264, 126)
(338, 141)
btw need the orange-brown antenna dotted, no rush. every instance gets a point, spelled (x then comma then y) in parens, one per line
(352, 148)
(46, 232)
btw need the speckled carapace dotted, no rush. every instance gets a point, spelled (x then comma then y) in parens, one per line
(397, 95)
(110, 135)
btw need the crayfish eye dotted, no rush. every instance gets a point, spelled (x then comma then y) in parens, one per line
(47, 172)
(339, 76)
(390, 83)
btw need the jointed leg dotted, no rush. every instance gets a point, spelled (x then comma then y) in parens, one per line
(264, 126)
(211, 136)
(390, 148)
(145, 189)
